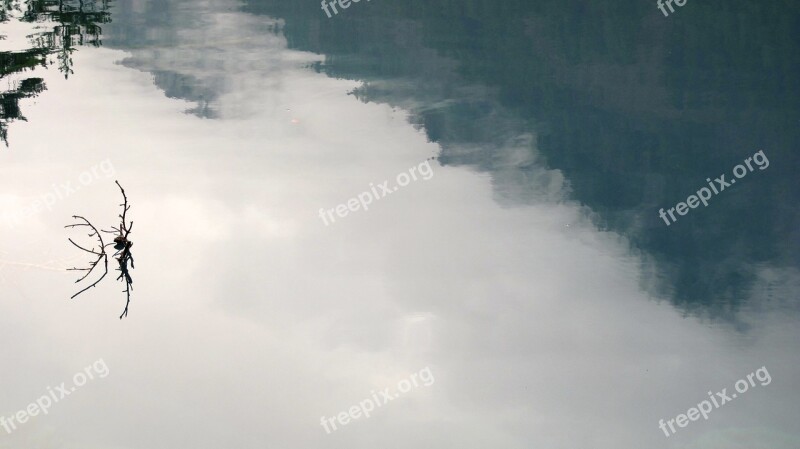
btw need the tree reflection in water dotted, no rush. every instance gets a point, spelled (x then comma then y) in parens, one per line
(61, 26)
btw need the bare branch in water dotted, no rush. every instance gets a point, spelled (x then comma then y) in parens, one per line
(100, 253)
(121, 244)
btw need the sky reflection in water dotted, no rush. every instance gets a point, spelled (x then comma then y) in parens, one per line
(549, 315)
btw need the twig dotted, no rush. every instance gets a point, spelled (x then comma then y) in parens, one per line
(123, 268)
(122, 246)
(101, 255)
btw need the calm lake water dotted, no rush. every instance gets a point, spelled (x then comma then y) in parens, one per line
(504, 215)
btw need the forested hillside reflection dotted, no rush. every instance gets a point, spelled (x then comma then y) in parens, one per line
(154, 32)
(61, 26)
(634, 109)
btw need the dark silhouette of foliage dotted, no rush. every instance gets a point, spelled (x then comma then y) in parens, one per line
(74, 23)
(9, 102)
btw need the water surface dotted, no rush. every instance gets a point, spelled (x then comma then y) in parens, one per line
(531, 273)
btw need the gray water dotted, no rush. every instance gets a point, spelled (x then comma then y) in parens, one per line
(522, 275)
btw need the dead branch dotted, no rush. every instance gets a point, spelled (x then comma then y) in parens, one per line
(100, 253)
(121, 244)
(124, 275)
(124, 228)
(123, 249)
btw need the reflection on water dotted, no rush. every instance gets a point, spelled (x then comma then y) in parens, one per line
(633, 110)
(150, 30)
(9, 101)
(190, 57)
(255, 316)
(60, 26)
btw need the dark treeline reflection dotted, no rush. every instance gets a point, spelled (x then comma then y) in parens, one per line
(635, 109)
(62, 25)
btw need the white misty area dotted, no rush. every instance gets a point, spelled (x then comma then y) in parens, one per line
(250, 319)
